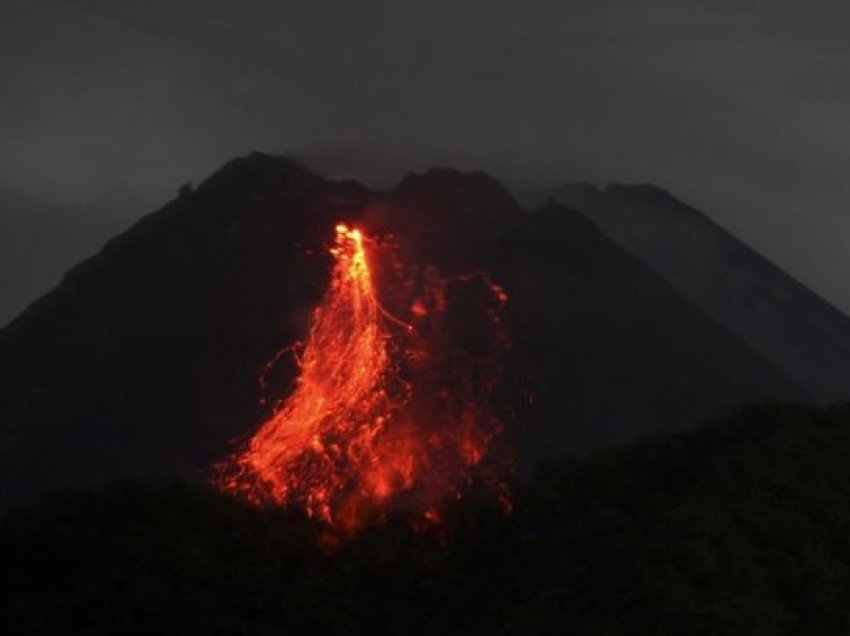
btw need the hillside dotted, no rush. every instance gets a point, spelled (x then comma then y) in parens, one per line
(786, 322)
(741, 527)
(614, 350)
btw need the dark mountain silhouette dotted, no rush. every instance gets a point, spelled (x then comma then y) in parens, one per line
(615, 351)
(144, 361)
(802, 334)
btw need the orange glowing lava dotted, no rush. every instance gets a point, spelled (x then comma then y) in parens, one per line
(385, 415)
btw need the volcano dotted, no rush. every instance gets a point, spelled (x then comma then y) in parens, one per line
(145, 361)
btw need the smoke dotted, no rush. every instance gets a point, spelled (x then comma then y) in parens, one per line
(737, 109)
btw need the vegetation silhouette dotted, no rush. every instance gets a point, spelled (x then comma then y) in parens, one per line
(740, 527)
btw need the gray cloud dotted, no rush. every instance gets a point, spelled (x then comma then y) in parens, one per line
(740, 108)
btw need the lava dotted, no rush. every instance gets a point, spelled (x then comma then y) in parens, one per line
(388, 414)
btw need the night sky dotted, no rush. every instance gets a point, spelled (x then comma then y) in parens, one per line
(740, 108)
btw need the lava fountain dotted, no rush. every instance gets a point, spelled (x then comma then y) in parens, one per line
(387, 413)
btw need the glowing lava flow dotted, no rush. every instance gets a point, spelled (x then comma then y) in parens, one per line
(376, 420)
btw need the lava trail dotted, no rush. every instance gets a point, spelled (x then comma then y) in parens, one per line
(386, 414)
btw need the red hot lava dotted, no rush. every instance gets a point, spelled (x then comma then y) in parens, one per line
(386, 415)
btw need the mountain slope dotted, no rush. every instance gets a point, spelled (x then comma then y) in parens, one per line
(144, 361)
(781, 318)
(616, 352)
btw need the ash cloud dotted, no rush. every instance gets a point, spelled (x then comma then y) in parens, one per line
(737, 109)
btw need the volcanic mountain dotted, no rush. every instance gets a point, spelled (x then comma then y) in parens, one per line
(779, 317)
(145, 360)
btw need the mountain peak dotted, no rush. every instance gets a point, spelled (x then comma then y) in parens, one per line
(458, 183)
(648, 191)
(261, 174)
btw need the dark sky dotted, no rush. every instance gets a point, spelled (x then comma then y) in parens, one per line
(740, 108)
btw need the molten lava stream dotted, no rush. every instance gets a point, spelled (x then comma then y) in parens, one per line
(346, 444)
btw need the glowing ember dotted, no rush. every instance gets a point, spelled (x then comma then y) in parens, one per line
(385, 415)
